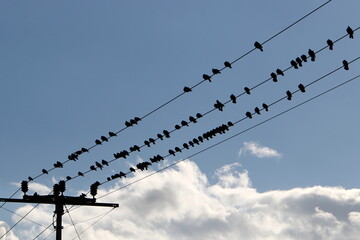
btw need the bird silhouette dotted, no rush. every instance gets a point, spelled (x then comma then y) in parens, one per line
(104, 162)
(68, 178)
(301, 87)
(248, 114)
(177, 127)
(137, 119)
(192, 119)
(350, 32)
(206, 77)
(185, 145)
(196, 141)
(187, 89)
(99, 165)
(151, 140)
(44, 171)
(84, 150)
(273, 76)
(219, 105)
(184, 123)
(233, 98)
(303, 58)
(93, 168)
(230, 124)
(289, 95)
(161, 137)
(122, 174)
(172, 152)
(104, 139)
(199, 115)
(80, 174)
(191, 143)
(279, 72)
(227, 64)
(30, 179)
(247, 90)
(330, 44)
(127, 124)
(201, 139)
(299, 61)
(177, 149)
(147, 143)
(312, 55)
(166, 134)
(257, 110)
(258, 46)
(215, 71)
(265, 106)
(294, 64)
(97, 142)
(132, 121)
(112, 134)
(346, 65)
(132, 169)
(58, 164)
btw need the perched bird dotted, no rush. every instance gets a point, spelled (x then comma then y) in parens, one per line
(247, 90)
(301, 87)
(166, 134)
(206, 77)
(265, 106)
(185, 145)
(132, 169)
(137, 119)
(161, 137)
(233, 98)
(151, 140)
(99, 165)
(346, 65)
(299, 61)
(68, 178)
(58, 165)
(227, 64)
(350, 32)
(201, 139)
(191, 143)
(230, 124)
(177, 149)
(122, 174)
(172, 152)
(279, 72)
(187, 89)
(184, 123)
(192, 119)
(273, 76)
(136, 148)
(108, 179)
(97, 142)
(30, 179)
(289, 95)
(330, 44)
(112, 134)
(199, 115)
(303, 57)
(44, 171)
(132, 121)
(257, 110)
(219, 105)
(248, 114)
(147, 143)
(294, 64)
(104, 139)
(195, 141)
(215, 71)
(104, 162)
(258, 46)
(93, 168)
(127, 124)
(312, 55)
(80, 174)
(177, 127)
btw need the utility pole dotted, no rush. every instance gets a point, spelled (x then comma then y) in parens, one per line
(59, 200)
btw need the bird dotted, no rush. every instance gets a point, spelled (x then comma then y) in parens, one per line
(177, 149)
(330, 43)
(303, 57)
(273, 76)
(258, 46)
(30, 179)
(122, 174)
(97, 142)
(132, 121)
(44, 171)
(104, 162)
(151, 140)
(93, 168)
(233, 98)
(185, 145)
(350, 32)
(187, 89)
(215, 71)
(206, 77)
(172, 152)
(127, 124)
(159, 136)
(184, 123)
(248, 114)
(279, 72)
(230, 124)
(132, 169)
(265, 106)
(166, 134)
(201, 139)
(199, 115)
(192, 119)
(312, 55)
(84, 150)
(99, 165)
(299, 61)
(112, 134)
(147, 143)
(247, 90)
(104, 139)
(289, 95)
(196, 141)
(68, 178)
(227, 64)
(219, 105)
(177, 127)
(257, 110)
(294, 64)
(58, 165)
(346, 65)
(108, 179)
(136, 148)
(301, 87)
(80, 174)
(191, 143)
(137, 119)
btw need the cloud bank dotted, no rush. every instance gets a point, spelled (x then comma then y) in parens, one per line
(259, 151)
(180, 203)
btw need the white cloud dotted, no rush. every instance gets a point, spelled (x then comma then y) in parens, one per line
(180, 203)
(259, 151)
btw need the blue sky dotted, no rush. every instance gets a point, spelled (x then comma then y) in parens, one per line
(72, 71)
